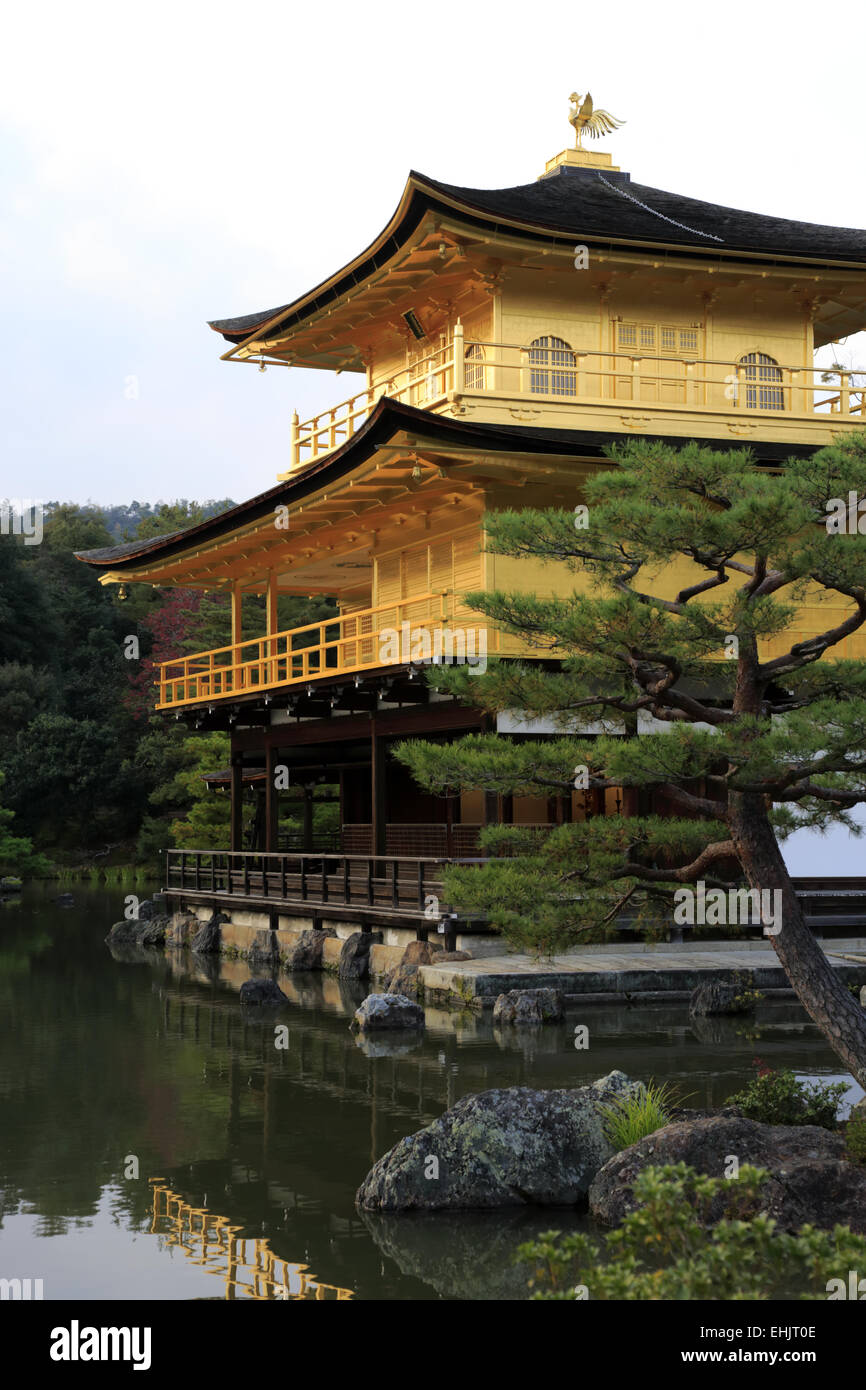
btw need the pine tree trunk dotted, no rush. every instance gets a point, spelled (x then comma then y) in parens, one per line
(827, 1001)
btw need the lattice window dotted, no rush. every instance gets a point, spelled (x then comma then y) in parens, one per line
(763, 378)
(657, 339)
(473, 378)
(552, 368)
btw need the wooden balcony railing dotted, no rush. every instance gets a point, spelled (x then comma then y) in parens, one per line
(390, 883)
(426, 384)
(515, 371)
(409, 630)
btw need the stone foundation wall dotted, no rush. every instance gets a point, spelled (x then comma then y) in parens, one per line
(248, 933)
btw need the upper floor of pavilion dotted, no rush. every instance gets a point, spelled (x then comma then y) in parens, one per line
(582, 300)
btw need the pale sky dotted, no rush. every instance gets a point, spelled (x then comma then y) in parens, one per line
(171, 163)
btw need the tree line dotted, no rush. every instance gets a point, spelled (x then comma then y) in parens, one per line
(86, 766)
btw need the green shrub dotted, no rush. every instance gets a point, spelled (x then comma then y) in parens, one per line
(855, 1141)
(778, 1098)
(666, 1250)
(626, 1119)
(747, 999)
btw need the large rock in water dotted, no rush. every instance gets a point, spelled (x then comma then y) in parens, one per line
(523, 1008)
(135, 933)
(405, 980)
(808, 1182)
(207, 939)
(507, 1148)
(720, 998)
(307, 952)
(355, 955)
(388, 1011)
(264, 992)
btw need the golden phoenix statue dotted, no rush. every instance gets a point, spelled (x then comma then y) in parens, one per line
(585, 119)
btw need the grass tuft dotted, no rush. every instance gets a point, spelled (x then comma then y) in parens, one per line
(630, 1118)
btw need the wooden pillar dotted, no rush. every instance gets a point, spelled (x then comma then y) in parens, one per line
(269, 671)
(307, 836)
(237, 798)
(377, 786)
(258, 835)
(237, 614)
(491, 809)
(271, 595)
(272, 799)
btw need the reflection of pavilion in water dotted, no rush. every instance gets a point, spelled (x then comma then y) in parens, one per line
(248, 1266)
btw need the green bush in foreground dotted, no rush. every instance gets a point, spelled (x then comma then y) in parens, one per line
(666, 1251)
(855, 1141)
(626, 1119)
(778, 1098)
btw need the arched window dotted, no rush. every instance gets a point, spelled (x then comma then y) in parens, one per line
(552, 368)
(763, 378)
(473, 377)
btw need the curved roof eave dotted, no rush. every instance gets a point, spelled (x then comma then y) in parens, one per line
(387, 419)
(618, 215)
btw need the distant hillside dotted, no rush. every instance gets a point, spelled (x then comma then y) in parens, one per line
(123, 519)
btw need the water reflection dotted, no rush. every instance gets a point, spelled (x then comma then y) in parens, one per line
(248, 1268)
(140, 1053)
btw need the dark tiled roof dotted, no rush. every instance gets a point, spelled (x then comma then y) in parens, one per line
(587, 205)
(120, 552)
(592, 203)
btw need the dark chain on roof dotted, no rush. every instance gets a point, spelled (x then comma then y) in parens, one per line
(682, 226)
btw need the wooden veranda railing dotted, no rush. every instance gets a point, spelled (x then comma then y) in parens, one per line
(422, 628)
(394, 883)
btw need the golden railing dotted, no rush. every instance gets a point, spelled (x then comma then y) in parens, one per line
(247, 1265)
(475, 368)
(411, 630)
(425, 383)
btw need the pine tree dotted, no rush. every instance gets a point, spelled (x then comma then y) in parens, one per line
(690, 568)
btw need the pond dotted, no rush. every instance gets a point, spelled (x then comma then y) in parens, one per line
(155, 1144)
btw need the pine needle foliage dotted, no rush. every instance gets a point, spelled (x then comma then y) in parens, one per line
(678, 609)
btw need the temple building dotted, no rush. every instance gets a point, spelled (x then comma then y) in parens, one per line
(505, 336)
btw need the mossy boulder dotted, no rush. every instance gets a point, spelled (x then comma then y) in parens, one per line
(809, 1180)
(526, 1008)
(503, 1148)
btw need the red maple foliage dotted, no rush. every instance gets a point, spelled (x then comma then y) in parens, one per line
(172, 625)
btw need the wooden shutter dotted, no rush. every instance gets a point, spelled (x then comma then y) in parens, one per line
(415, 582)
(467, 570)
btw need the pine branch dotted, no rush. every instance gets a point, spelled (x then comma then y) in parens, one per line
(802, 653)
(687, 873)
